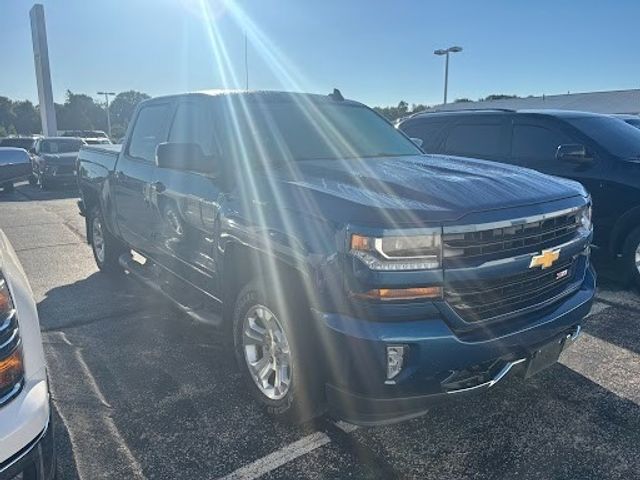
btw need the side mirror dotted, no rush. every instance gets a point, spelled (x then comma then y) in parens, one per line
(184, 156)
(574, 153)
(417, 141)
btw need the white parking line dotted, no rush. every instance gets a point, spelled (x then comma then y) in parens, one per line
(610, 366)
(278, 458)
(99, 450)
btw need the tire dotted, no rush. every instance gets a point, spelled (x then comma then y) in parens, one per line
(43, 183)
(301, 400)
(105, 247)
(33, 180)
(631, 256)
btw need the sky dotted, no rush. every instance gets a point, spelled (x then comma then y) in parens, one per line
(378, 52)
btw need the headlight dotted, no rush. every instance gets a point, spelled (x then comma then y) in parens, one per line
(410, 252)
(585, 218)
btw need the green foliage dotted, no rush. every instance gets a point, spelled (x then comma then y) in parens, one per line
(401, 111)
(123, 106)
(499, 96)
(462, 100)
(78, 112)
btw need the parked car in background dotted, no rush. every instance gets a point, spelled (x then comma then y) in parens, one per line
(26, 429)
(54, 160)
(19, 142)
(15, 165)
(599, 151)
(633, 120)
(346, 267)
(91, 137)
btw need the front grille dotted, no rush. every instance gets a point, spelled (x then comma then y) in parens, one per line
(512, 240)
(478, 301)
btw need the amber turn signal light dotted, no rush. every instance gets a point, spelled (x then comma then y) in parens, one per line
(386, 294)
(11, 369)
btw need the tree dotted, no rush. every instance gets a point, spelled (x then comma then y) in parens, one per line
(80, 112)
(27, 119)
(462, 100)
(123, 106)
(499, 96)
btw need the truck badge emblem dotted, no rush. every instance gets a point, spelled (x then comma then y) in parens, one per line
(545, 259)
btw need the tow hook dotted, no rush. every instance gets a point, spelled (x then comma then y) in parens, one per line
(574, 334)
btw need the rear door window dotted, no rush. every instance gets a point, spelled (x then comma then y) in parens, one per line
(482, 139)
(148, 131)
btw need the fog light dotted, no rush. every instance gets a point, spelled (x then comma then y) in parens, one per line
(395, 361)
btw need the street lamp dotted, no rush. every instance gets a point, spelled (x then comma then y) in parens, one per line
(106, 99)
(446, 52)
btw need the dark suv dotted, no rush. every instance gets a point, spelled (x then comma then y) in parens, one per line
(600, 151)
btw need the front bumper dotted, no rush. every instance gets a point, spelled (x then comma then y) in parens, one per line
(37, 456)
(357, 390)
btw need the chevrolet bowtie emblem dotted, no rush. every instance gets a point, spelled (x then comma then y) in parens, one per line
(545, 259)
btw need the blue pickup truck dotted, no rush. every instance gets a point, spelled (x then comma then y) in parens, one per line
(348, 270)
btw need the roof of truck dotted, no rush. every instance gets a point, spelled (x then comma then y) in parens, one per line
(259, 96)
(473, 111)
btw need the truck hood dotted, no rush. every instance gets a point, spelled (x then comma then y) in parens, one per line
(404, 191)
(60, 158)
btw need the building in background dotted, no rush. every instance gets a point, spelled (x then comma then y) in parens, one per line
(615, 101)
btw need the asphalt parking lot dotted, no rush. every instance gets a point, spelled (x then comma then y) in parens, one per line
(141, 391)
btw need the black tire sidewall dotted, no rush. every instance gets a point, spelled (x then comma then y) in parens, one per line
(112, 248)
(304, 398)
(628, 255)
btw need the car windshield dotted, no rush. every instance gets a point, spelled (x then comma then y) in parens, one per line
(25, 143)
(614, 135)
(61, 146)
(634, 122)
(306, 130)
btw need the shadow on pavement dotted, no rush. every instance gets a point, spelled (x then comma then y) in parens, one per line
(557, 425)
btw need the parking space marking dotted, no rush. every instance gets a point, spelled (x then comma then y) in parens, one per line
(99, 449)
(610, 366)
(280, 457)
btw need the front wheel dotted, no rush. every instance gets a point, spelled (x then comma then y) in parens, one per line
(631, 256)
(275, 354)
(106, 248)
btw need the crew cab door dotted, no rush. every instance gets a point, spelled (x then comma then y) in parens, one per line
(134, 173)
(187, 202)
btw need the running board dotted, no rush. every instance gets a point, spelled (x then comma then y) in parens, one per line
(142, 272)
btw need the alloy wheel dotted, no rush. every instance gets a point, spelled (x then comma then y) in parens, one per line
(97, 239)
(266, 352)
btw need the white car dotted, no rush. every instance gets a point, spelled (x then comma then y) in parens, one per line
(26, 431)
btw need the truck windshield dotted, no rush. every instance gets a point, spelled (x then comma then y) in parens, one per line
(298, 131)
(614, 135)
(61, 146)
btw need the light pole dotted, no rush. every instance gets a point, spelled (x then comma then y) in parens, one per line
(446, 52)
(106, 99)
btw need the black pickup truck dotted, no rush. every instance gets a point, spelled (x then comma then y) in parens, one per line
(347, 269)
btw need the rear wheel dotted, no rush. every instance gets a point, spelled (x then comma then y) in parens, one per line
(43, 183)
(274, 351)
(631, 256)
(106, 248)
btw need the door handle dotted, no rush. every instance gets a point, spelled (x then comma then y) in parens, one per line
(159, 187)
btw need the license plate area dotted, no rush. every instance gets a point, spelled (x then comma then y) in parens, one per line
(544, 356)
